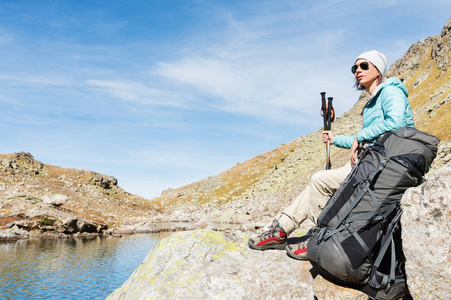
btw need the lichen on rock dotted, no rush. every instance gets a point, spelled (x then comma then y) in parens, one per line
(207, 264)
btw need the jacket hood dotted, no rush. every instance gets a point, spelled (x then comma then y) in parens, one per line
(392, 81)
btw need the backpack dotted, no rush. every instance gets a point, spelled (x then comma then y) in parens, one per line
(357, 238)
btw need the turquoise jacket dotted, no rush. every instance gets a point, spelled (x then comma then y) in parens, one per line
(387, 110)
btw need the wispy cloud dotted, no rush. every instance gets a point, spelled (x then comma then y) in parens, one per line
(259, 68)
(256, 88)
(140, 93)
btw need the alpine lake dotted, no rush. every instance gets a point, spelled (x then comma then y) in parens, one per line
(71, 268)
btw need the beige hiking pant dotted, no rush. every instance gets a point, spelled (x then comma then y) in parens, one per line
(313, 199)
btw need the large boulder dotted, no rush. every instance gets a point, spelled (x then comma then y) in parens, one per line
(207, 264)
(426, 233)
(56, 200)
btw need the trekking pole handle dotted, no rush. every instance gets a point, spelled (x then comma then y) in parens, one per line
(328, 113)
(324, 109)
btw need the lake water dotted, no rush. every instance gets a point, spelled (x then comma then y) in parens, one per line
(71, 268)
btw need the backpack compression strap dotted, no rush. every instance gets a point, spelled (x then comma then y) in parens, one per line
(377, 279)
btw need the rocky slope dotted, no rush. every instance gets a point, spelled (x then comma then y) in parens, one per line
(38, 198)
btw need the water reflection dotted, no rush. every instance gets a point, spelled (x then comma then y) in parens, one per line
(70, 268)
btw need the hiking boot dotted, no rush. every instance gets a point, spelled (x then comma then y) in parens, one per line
(298, 250)
(274, 238)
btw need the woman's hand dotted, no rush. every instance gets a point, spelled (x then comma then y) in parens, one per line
(354, 148)
(328, 136)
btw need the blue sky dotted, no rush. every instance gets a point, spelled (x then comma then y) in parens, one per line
(163, 93)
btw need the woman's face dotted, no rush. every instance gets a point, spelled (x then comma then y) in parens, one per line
(368, 77)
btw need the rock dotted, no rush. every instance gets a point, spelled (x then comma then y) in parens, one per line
(24, 224)
(324, 289)
(14, 233)
(104, 181)
(10, 224)
(227, 215)
(206, 264)
(426, 232)
(73, 224)
(9, 163)
(69, 224)
(85, 225)
(77, 235)
(201, 224)
(31, 213)
(109, 231)
(55, 200)
(124, 230)
(143, 229)
(63, 235)
(242, 218)
(8, 235)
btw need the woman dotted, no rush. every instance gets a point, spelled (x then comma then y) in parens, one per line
(382, 113)
(388, 109)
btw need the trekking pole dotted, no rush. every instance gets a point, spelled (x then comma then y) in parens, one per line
(328, 113)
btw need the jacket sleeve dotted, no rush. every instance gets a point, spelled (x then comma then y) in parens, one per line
(393, 102)
(344, 141)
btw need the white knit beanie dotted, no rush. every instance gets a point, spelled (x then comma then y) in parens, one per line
(377, 59)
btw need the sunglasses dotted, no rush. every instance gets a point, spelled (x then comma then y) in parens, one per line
(364, 66)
